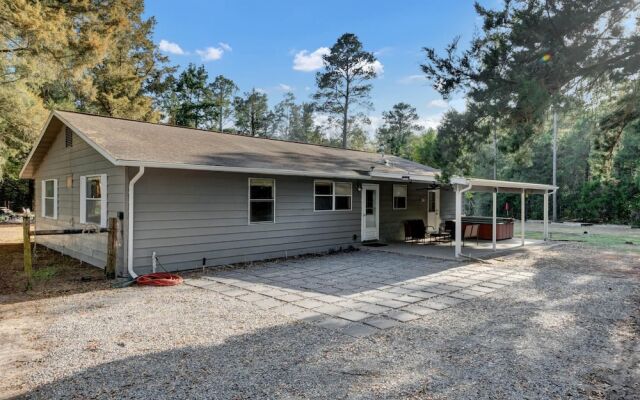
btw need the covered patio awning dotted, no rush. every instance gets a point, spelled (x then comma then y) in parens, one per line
(462, 185)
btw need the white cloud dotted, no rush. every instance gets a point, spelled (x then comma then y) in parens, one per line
(383, 51)
(431, 121)
(307, 62)
(170, 47)
(225, 46)
(438, 103)
(260, 90)
(376, 122)
(376, 67)
(210, 53)
(285, 88)
(408, 80)
(207, 54)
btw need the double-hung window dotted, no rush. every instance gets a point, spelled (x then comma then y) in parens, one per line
(50, 198)
(332, 196)
(262, 200)
(399, 197)
(93, 200)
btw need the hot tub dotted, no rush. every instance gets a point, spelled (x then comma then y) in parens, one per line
(504, 227)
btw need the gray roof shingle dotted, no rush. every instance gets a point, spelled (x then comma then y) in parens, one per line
(128, 142)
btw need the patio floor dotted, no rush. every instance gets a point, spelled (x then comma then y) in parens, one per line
(445, 251)
(362, 292)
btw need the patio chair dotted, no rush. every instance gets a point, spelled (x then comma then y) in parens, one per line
(470, 232)
(414, 229)
(443, 235)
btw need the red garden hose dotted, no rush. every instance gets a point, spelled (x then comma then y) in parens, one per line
(159, 279)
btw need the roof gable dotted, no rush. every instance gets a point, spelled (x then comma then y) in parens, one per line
(50, 131)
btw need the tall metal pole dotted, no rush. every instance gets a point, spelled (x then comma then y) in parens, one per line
(555, 161)
(495, 156)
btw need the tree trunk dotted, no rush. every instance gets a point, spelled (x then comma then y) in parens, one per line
(345, 116)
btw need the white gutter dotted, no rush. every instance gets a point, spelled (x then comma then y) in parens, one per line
(130, 222)
(429, 177)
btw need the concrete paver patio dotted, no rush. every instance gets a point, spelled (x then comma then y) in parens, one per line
(375, 290)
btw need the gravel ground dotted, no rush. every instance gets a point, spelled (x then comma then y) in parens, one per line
(571, 330)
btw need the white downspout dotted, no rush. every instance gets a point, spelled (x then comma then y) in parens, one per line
(130, 221)
(459, 192)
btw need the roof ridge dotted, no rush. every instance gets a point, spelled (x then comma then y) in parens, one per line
(208, 131)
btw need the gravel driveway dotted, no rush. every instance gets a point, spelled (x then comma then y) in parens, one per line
(568, 328)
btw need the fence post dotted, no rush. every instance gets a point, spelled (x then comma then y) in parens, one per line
(26, 239)
(110, 268)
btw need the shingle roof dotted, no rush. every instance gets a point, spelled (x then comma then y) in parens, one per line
(127, 142)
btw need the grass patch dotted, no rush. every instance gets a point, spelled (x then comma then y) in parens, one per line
(45, 273)
(601, 240)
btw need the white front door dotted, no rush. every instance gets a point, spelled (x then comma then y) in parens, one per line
(370, 212)
(433, 209)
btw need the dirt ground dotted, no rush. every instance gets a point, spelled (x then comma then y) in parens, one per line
(571, 330)
(53, 274)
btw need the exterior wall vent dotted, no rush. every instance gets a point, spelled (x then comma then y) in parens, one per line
(68, 137)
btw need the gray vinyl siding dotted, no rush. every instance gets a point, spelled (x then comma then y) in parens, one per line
(392, 221)
(79, 160)
(447, 204)
(185, 216)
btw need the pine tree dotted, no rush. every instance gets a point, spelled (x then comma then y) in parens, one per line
(222, 92)
(400, 124)
(252, 114)
(342, 86)
(192, 98)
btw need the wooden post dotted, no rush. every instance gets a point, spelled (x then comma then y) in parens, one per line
(26, 238)
(110, 268)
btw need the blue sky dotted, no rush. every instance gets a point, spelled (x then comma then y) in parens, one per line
(273, 45)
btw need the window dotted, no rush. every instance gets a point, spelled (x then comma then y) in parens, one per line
(330, 196)
(432, 202)
(262, 200)
(93, 200)
(50, 198)
(343, 196)
(399, 197)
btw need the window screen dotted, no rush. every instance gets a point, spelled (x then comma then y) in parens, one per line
(399, 197)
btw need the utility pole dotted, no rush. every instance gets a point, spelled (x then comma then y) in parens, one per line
(555, 161)
(495, 156)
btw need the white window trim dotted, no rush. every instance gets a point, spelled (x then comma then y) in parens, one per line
(333, 196)
(273, 221)
(43, 197)
(103, 199)
(393, 196)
